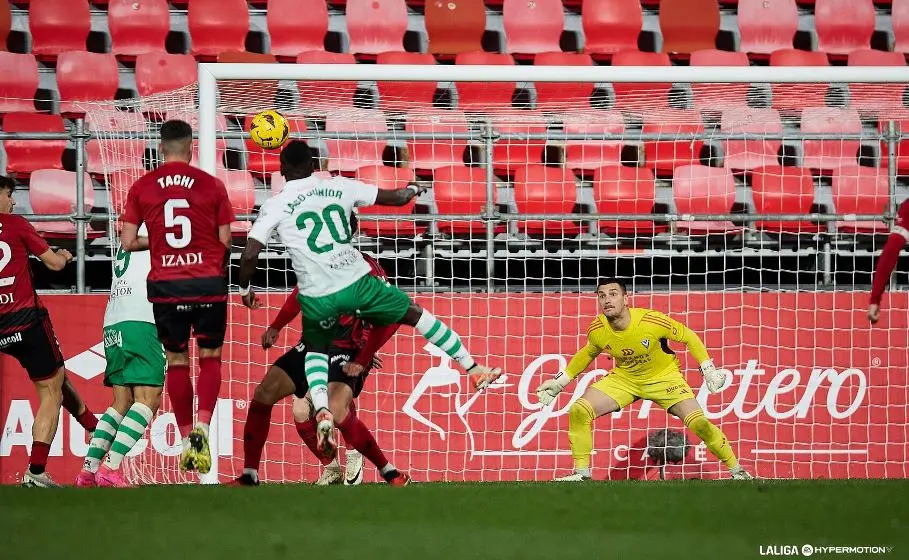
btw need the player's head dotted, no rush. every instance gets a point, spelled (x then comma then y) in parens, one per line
(7, 186)
(612, 295)
(297, 160)
(177, 141)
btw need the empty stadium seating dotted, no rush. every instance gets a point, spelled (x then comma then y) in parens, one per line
(118, 154)
(860, 190)
(318, 97)
(749, 154)
(455, 27)
(484, 96)
(138, 27)
(53, 191)
(296, 26)
(611, 26)
(538, 190)
(784, 190)
(87, 77)
(874, 98)
(825, 155)
(6, 22)
(388, 178)
(900, 24)
(509, 155)
(843, 25)
(689, 25)
(532, 27)
(349, 155)
(563, 96)
(791, 98)
(217, 26)
(158, 72)
(405, 95)
(19, 83)
(376, 26)
(458, 189)
(57, 26)
(698, 189)
(25, 156)
(716, 97)
(625, 190)
(636, 97)
(767, 25)
(586, 155)
(426, 155)
(664, 156)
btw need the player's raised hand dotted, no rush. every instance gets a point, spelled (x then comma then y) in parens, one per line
(874, 313)
(250, 300)
(269, 337)
(715, 378)
(353, 369)
(550, 389)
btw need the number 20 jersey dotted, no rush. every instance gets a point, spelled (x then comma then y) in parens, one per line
(182, 207)
(312, 219)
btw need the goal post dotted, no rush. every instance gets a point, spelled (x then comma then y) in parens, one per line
(756, 224)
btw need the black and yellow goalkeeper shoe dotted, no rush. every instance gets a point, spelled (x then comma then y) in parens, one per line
(198, 443)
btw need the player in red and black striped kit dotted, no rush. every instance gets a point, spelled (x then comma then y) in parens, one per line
(26, 332)
(350, 359)
(188, 216)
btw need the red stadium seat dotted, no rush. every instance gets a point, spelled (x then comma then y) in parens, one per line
(540, 190)
(19, 83)
(376, 26)
(53, 191)
(296, 26)
(900, 119)
(611, 26)
(262, 162)
(118, 184)
(561, 96)
(792, 98)
(720, 96)
(217, 26)
(532, 27)
(6, 22)
(593, 154)
(642, 96)
(403, 96)
(318, 97)
(388, 178)
(85, 76)
(750, 154)
(689, 25)
(455, 27)
(432, 154)
(461, 190)
(57, 26)
(349, 155)
(625, 190)
(899, 20)
(861, 190)
(157, 72)
(843, 25)
(784, 190)
(510, 155)
(698, 189)
(236, 93)
(664, 156)
(874, 98)
(119, 154)
(25, 156)
(138, 27)
(484, 96)
(241, 190)
(825, 155)
(767, 25)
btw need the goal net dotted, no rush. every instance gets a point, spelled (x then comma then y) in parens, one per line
(742, 202)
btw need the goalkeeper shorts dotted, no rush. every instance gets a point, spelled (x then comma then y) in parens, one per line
(665, 390)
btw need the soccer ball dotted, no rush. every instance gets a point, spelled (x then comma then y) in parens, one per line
(269, 129)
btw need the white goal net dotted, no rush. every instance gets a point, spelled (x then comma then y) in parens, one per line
(751, 211)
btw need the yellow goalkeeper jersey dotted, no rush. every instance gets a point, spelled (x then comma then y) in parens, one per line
(640, 350)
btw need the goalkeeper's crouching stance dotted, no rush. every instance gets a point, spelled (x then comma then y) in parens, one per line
(645, 368)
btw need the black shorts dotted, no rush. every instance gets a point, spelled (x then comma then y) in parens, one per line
(293, 360)
(208, 322)
(36, 348)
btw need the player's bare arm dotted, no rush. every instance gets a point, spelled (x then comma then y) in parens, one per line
(56, 260)
(224, 235)
(249, 261)
(399, 197)
(130, 239)
(887, 262)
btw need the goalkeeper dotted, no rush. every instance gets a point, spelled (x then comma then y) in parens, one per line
(645, 368)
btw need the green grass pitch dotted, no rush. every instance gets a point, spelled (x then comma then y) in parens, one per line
(678, 520)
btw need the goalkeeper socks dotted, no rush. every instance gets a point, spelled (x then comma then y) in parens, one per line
(307, 431)
(180, 391)
(713, 437)
(209, 386)
(38, 459)
(438, 334)
(255, 433)
(316, 368)
(358, 436)
(130, 431)
(102, 438)
(580, 433)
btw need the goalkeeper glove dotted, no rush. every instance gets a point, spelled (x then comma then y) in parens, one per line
(714, 377)
(550, 389)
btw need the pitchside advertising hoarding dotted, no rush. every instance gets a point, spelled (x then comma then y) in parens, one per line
(816, 392)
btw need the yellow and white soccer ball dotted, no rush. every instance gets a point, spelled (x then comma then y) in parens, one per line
(269, 129)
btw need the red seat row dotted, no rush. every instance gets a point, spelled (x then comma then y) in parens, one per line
(376, 26)
(697, 190)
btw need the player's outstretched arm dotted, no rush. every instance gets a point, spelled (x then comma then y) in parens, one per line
(130, 239)
(399, 197)
(56, 260)
(678, 332)
(885, 265)
(550, 389)
(286, 314)
(249, 262)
